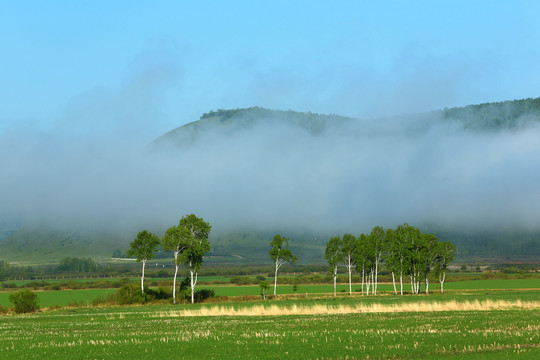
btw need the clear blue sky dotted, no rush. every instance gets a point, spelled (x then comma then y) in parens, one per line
(159, 64)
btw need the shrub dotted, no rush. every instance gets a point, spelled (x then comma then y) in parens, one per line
(3, 310)
(159, 294)
(25, 301)
(130, 294)
(241, 280)
(163, 274)
(203, 294)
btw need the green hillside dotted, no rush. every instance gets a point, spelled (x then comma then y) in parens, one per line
(232, 121)
(482, 117)
(43, 245)
(496, 116)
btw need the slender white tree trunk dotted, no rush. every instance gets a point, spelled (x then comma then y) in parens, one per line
(335, 280)
(142, 276)
(363, 277)
(394, 282)
(175, 273)
(370, 282)
(350, 278)
(275, 280)
(441, 280)
(194, 275)
(427, 283)
(376, 274)
(401, 281)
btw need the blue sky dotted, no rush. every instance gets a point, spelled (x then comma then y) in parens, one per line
(91, 66)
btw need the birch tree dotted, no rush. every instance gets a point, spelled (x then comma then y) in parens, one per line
(430, 256)
(416, 252)
(143, 247)
(390, 260)
(360, 256)
(445, 255)
(280, 254)
(333, 256)
(378, 246)
(398, 251)
(174, 240)
(264, 288)
(195, 246)
(348, 248)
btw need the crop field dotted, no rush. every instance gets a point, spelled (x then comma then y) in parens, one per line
(346, 328)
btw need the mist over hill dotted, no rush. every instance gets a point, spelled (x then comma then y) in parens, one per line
(469, 174)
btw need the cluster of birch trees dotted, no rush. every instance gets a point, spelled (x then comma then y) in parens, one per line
(405, 251)
(188, 241)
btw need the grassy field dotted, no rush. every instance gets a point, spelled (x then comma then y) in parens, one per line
(483, 319)
(65, 297)
(167, 331)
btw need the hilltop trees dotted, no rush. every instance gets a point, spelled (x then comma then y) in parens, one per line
(280, 254)
(143, 247)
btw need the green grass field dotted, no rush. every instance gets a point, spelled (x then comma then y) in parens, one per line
(65, 297)
(149, 332)
(164, 330)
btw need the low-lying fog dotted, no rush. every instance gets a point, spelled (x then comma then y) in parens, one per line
(350, 178)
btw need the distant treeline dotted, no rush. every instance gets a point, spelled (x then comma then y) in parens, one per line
(77, 265)
(499, 115)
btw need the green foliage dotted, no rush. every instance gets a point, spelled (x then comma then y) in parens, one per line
(144, 246)
(117, 253)
(496, 116)
(4, 266)
(280, 252)
(264, 288)
(333, 253)
(77, 265)
(203, 294)
(161, 293)
(25, 301)
(195, 243)
(130, 294)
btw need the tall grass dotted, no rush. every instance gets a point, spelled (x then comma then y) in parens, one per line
(320, 309)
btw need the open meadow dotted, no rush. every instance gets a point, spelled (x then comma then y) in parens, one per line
(466, 322)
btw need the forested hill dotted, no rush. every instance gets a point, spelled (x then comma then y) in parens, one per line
(512, 114)
(495, 116)
(233, 121)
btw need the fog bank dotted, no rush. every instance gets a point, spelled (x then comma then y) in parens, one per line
(275, 176)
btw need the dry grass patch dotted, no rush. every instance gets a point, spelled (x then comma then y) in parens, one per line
(321, 309)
